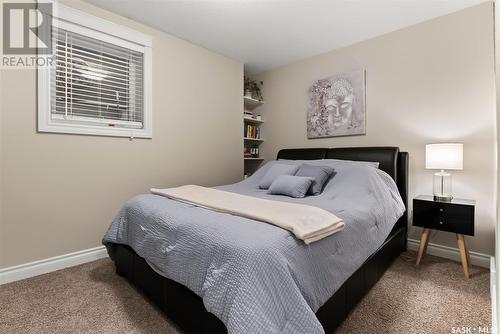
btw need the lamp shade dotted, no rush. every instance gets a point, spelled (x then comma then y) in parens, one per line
(444, 156)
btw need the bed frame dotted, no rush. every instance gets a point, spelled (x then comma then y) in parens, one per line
(186, 309)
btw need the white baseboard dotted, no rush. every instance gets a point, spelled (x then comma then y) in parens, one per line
(31, 269)
(493, 292)
(452, 253)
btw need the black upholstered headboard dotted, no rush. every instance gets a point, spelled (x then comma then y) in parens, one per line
(302, 153)
(390, 159)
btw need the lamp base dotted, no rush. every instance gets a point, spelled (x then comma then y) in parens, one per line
(442, 187)
(443, 198)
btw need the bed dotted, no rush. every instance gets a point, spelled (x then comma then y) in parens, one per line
(189, 310)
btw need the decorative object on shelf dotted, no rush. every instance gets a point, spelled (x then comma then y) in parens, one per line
(258, 117)
(254, 151)
(251, 152)
(253, 120)
(337, 106)
(252, 89)
(443, 156)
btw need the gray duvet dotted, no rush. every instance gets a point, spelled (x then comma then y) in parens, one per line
(256, 277)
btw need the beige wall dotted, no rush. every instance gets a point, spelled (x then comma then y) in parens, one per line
(60, 192)
(428, 83)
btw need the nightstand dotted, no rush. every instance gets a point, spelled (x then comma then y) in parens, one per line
(456, 216)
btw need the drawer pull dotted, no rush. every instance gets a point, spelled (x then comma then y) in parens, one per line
(440, 223)
(440, 209)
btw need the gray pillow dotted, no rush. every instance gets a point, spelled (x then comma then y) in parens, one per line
(289, 185)
(274, 172)
(320, 174)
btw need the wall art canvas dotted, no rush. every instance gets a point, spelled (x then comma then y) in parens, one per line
(337, 106)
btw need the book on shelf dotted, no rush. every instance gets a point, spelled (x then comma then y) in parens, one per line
(246, 152)
(251, 131)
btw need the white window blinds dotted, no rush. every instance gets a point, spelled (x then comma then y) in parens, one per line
(96, 83)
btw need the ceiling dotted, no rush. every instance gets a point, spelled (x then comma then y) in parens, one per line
(267, 34)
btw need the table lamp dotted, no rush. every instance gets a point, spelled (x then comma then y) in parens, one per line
(444, 156)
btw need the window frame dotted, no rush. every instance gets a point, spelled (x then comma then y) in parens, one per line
(80, 22)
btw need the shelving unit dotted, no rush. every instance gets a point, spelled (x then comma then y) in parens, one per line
(252, 136)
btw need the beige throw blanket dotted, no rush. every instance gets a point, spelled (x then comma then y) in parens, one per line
(306, 222)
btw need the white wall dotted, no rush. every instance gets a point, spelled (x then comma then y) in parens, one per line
(59, 192)
(496, 284)
(428, 83)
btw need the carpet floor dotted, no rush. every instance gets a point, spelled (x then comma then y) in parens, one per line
(91, 298)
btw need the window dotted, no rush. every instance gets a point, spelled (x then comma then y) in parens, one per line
(99, 82)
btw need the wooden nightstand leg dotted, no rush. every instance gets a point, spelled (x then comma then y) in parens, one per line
(424, 240)
(467, 253)
(463, 254)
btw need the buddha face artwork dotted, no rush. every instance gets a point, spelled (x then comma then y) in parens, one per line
(337, 106)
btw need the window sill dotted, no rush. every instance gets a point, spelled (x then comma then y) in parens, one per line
(96, 131)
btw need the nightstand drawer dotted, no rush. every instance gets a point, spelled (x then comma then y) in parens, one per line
(449, 217)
